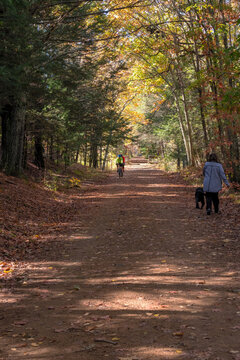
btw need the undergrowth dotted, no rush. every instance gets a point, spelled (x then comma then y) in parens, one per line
(59, 178)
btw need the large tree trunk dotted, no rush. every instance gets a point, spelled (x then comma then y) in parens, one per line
(94, 156)
(13, 124)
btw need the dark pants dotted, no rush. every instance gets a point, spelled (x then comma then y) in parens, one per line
(212, 197)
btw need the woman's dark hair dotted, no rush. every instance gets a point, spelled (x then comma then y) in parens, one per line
(212, 157)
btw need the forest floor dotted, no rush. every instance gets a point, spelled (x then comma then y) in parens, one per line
(126, 269)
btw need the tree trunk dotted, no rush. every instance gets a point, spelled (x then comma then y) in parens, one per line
(231, 130)
(189, 128)
(181, 86)
(58, 154)
(197, 67)
(178, 157)
(200, 97)
(204, 127)
(181, 123)
(39, 151)
(25, 151)
(85, 155)
(94, 156)
(66, 157)
(100, 156)
(13, 124)
(107, 150)
(77, 155)
(51, 149)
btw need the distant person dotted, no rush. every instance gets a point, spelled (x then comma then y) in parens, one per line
(123, 161)
(213, 176)
(119, 161)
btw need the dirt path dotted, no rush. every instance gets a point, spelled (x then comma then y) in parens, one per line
(144, 275)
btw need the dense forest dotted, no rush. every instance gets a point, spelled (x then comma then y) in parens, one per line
(80, 78)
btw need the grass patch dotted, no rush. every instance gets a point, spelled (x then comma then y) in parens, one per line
(75, 176)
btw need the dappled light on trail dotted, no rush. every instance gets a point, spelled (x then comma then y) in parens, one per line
(135, 279)
(161, 353)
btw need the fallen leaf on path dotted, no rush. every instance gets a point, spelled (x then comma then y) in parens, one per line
(20, 323)
(59, 330)
(106, 341)
(178, 334)
(91, 328)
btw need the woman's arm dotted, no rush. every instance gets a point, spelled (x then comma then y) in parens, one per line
(223, 176)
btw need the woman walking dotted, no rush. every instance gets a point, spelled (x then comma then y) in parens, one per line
(213, 176)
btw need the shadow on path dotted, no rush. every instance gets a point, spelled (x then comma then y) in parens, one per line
(143, 275)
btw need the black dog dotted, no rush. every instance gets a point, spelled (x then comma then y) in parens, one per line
(199, 197)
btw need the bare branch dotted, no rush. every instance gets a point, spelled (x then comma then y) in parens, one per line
(101, 12)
